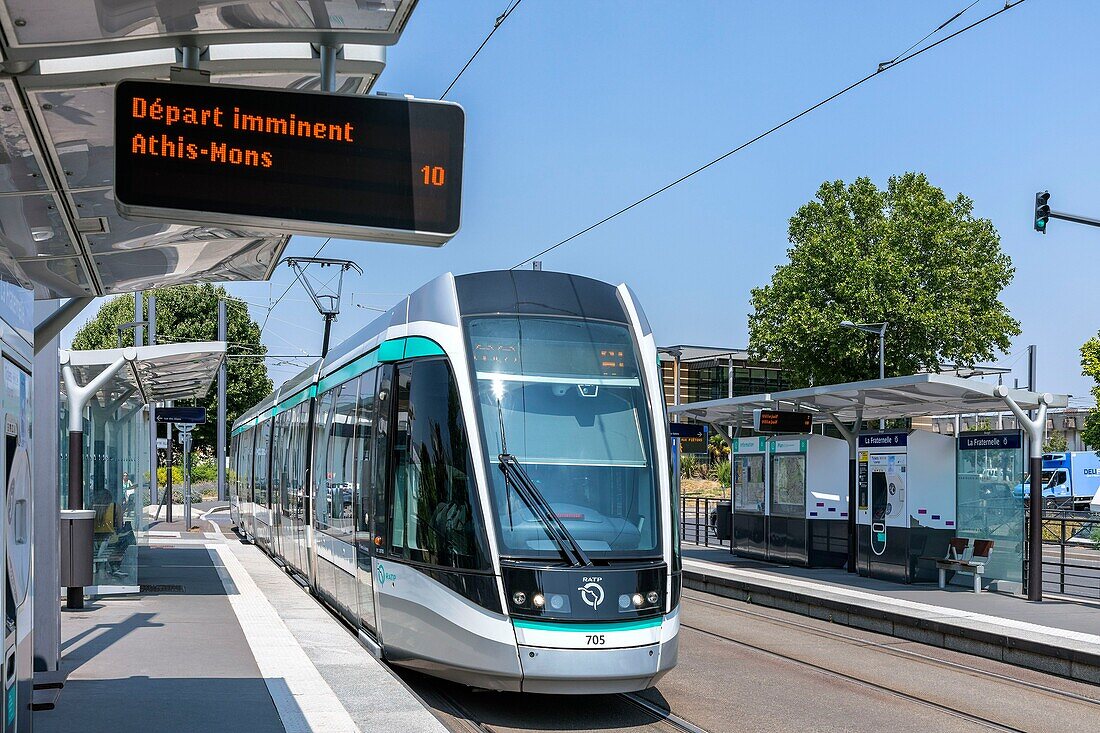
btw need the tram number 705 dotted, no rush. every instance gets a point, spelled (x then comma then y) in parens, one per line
(595, 639)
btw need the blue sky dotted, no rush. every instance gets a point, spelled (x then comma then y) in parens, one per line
(575, 109)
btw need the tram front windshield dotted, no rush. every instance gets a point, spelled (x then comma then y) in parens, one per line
(575, 416)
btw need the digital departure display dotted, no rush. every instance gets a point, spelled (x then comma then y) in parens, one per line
(379, 168)
(781, 421)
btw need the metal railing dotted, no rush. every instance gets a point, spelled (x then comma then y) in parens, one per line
(697, 523)
(1071, 553)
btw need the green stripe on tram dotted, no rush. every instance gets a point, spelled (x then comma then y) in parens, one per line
(389, 351)
(647, 623)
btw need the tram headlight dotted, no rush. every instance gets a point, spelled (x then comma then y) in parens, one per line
(519, 598)
(557, 602)
(637, 599)
(652, 597)
(624, 602)
(538, 600)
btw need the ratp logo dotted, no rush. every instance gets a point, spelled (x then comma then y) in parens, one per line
(383, 576)
(592, 594)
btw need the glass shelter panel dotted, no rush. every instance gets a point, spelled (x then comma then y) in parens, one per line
(987, 508)
(116, 484)
(748, 482)
(788, 496)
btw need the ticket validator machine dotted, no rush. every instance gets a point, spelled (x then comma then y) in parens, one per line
(790, 499)
(905, 503)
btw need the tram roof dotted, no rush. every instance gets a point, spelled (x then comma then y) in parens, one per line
(156, 373)
(59, 59)
(917, 395)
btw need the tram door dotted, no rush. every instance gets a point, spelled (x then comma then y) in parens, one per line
(373, 437)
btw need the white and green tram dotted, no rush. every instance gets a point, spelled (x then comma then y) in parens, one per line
(479, 482)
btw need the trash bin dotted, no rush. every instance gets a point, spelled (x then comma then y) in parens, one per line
(722, 520)
(76, 547)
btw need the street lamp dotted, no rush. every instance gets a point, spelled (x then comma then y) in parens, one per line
(880, 329)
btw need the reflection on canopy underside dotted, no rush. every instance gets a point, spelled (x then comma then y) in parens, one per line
(59, 230)
(918, 395)
(158, 373)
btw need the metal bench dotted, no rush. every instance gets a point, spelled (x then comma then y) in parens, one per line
(961, 560)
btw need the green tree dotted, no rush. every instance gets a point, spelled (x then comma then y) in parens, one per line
(190, 313)
(906, 255)
(1090, 367)
(1055, 443)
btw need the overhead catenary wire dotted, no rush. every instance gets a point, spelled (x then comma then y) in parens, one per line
(880, 70)
(930, 33)
(499, 22)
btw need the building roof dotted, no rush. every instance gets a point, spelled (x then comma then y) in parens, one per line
(917, 395)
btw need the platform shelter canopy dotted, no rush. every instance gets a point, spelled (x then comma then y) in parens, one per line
(917, 395)
(155, 374)
(60, 232)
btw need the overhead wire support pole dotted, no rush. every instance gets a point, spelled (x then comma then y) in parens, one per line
(1035, 429)
(223, 494)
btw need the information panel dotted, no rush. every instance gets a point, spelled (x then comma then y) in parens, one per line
(195, 415)
(781, 421)
(379, 168)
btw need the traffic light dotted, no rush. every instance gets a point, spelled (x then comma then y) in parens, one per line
(1042, 211)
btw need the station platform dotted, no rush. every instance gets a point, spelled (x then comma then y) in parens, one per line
(220, 638)
(1060, 636)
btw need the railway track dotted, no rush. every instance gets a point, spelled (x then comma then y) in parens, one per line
(462, 717)
(890, 649)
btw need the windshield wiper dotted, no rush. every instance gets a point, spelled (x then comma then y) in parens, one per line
(517, 478)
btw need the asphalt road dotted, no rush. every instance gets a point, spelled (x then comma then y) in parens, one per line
(746, 668)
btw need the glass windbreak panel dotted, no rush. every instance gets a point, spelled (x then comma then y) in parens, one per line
(575, 415)
(748, 483)
(789, 484)
(989, 509)
(334, 506)
(434, 495)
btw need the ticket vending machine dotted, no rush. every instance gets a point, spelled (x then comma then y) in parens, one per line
(790, 496)
(905, 503)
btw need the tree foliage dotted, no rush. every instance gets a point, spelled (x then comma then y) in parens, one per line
(906, 255)
(1090, 367)
(190, 313)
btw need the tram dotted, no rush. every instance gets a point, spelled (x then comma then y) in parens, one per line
(479, 483)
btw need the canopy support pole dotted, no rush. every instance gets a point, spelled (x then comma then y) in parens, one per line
(1035, 430)
(53, 324)
(851, 435)
(78, 399)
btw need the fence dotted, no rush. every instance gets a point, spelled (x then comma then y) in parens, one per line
(695, 520)
(1071, 553)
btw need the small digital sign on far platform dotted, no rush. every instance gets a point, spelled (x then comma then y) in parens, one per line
(379, 168)
(781, 421)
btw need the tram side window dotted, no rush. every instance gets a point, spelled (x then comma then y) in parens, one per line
(334, 504)
(234, 456)
(262, 466)
(364, 437)
(299, 434)
(434, 516)
(320, 429)
(246, 468)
